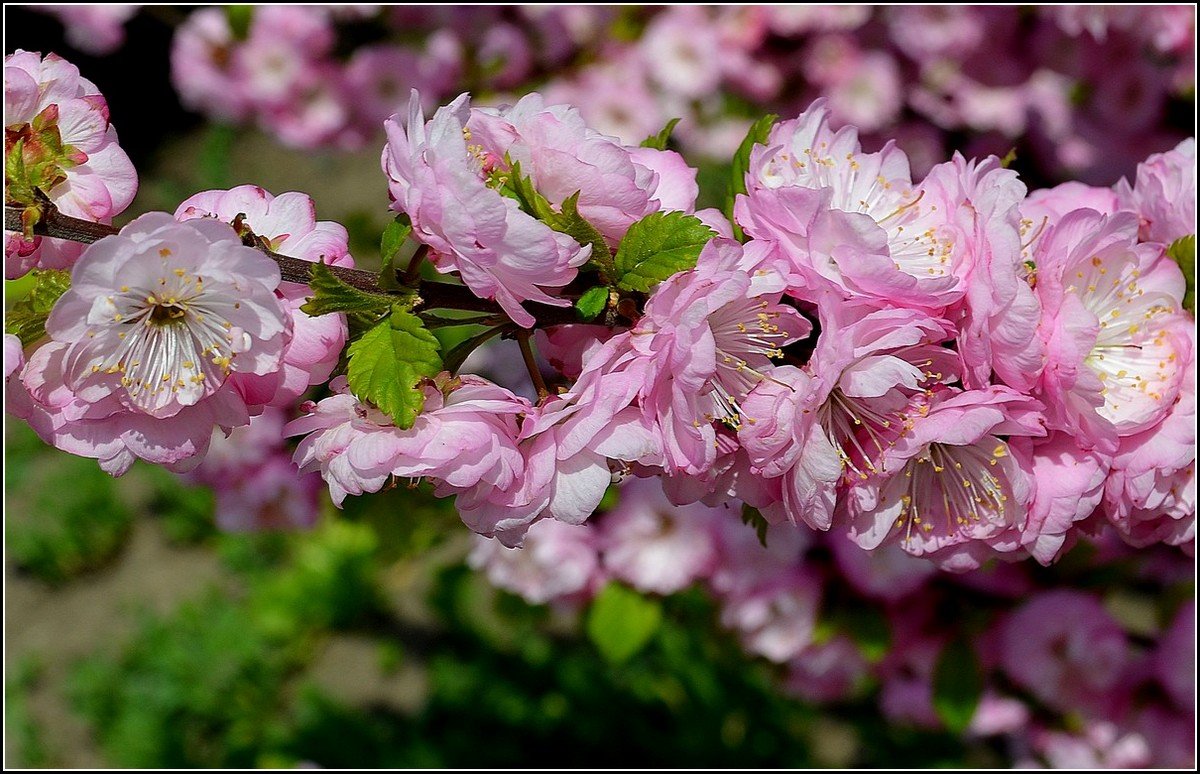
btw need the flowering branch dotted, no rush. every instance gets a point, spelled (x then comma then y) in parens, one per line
(431, 295)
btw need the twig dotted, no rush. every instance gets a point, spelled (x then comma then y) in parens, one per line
(431, 295)
(531, 365)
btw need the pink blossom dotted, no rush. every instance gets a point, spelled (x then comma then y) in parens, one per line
(654, 545)
(703, 343)
(949, 488)
(1068, 485)
(796, 19)
(887, 573)
(1175, 659)
(14, 355)
(906, 696)
(202, 66)
(158, 321)
(926, 33)
(827, 671)
(868, 94)
(465, 434)
(316, 111)
(1047, 206)
(775, 619)
(997, 715)
(1164, 194)
(1115, 338)
(680, 47)
(557, 561)
(70, 153)
(573, 447)
(499, 251)
(744, 564)
(93, 29)
(272, 497)
(235, 455)
(506, 55)
(615, 98)
(382, 77)
(289, 226)
(563, 156)
(836, 418)
(1102, 745)
(1065, 648)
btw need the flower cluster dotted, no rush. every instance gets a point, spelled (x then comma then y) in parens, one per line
(1041, 81)
(1065, 682)
(58, 144)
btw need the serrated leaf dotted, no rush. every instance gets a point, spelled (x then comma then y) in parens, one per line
(957, 685)
(621, 622)
(659, 141)
(574, 225)
(393, 239)
(331, 294)
(567, 220)
(592, 303)
(752, 518)
(657, 246)
(757, 135)
(26, 319)
(1183, 252)
(388, 363)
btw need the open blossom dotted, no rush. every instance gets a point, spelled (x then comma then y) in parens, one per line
(1065, 648)
(950, 488)
(887, 573)
(272, 497)
(827, 671)
(705, 340)
(1164, 194)
(1116, 342)
(1150, 495)
(654, 545)
(157, 321)
(499, 251)
(57, 121)
(287, 224)
(833, 421)
(465, 434)
(557, 561)
(14, 355)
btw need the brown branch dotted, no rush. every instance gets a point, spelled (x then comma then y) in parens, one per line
(431, 295)
(531, 365)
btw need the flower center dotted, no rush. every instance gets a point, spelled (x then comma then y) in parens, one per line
(950, 490)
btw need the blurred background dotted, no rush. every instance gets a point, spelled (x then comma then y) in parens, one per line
(156, 621)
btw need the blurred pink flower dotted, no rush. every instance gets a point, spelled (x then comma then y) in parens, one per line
(1065, 648)
(656, 546)
(440, 183)
(557, 561)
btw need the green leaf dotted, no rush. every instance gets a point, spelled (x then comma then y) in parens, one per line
(751, 517)
(592, 302)
(27, 318)
(393, 239)
(659, 141)
(1009, 158)
(216, 152)
(1183, 252)
(388, 363)
(455, 357)
(657, 246)
(331, 294)
(621, 622)
(957, 685)
(757, 135)
(567, 221)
